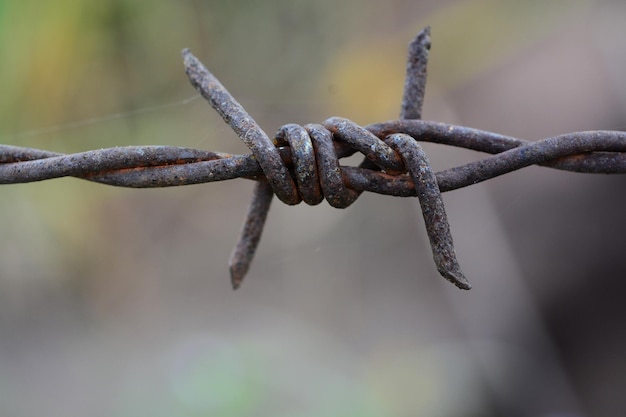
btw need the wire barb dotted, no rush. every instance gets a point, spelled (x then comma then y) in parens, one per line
(415, 81)
(301, 163)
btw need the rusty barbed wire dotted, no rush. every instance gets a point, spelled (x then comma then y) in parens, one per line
(301, 163)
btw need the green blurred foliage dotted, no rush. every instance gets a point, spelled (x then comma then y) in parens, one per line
(73, 60)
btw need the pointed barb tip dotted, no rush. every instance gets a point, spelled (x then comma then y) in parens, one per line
(456, 277)
(235, 278)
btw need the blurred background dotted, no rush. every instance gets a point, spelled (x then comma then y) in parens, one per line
(117, 302)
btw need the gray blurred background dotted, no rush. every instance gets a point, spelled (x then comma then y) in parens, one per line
(117, 302)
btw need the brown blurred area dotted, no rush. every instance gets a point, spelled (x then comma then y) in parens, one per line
(117, 302)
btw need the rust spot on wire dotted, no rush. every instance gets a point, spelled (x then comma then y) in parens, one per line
(302, 162)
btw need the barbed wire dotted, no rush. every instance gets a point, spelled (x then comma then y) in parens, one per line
(301, 163)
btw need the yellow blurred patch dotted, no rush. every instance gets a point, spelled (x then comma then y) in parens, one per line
(364, 80)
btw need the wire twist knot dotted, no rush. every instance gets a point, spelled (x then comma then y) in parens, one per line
(316, 172)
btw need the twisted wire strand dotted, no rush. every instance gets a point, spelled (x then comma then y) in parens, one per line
(593, 152)
(301, 163)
